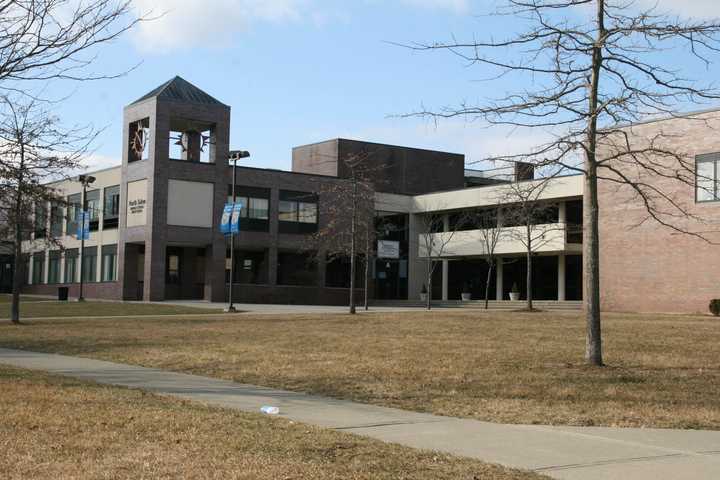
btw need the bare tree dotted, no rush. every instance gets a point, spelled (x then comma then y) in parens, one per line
(490, 224)
(34, 149)
(42, 40)
(531, 221)
(587, 66)
(436, 234)
(350, 221)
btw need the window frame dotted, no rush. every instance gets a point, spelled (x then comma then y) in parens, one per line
(71, 258)
(53, 275)
(71, 213)
(714, 159)
(109, 251)
(94, 212)
(112, 219)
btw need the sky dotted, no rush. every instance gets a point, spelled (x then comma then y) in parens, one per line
(302, 71)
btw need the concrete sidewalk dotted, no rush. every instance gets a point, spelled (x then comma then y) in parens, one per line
(561, 452)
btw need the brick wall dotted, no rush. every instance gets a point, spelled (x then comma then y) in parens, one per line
(645, 266)
(105, 291)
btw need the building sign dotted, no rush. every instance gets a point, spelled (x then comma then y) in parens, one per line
(225, 220)
(136, 211)
(230, 221)
(388, 249)
(235, 219)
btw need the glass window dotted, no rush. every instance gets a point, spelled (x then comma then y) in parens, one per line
(38, 273)
(54, 267)
(71, 261)
(287, 211)
(707, 178)
(258, 208)
(173, 269)
(93, 207)
(89, 264)
(250, 267)
(297, 268)
(111, 207)
(40, 220)
(307, 212)
(72, 214)
(56, 221)
(109, 263)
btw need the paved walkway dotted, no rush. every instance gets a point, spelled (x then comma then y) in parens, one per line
(561, 452)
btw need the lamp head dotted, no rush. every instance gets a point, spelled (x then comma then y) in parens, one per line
(239, 154)
(86, 179)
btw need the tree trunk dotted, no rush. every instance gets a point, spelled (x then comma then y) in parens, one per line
(487, 283)
(591, 256)
(528, 279)
(17, 261)
(428, 279)
(17, 277)
(367, 269)
(591, 237)
(352, 250)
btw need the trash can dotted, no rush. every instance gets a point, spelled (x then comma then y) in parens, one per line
(63, 294)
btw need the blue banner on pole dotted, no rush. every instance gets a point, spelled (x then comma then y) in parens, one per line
(235, 219)
(83, 225)
(225, 220)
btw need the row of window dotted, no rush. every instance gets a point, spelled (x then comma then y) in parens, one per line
(110, 208)
(108, 267)
(297, 211)
(294, 208)
(293, 269)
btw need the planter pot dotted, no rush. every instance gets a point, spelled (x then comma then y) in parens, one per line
(514, 296)
(423, 297)
(466, 297)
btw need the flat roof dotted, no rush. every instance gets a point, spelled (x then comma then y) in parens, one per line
(663, 118)
(338, 139)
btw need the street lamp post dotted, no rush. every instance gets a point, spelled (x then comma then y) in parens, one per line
(85, 180)
(235, 155)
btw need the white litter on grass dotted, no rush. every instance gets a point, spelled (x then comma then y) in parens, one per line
(270, 410)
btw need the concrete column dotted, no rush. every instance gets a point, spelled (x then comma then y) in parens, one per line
(499, 280)
(61, 269)
(154, 279)
(274, 228)
(46, 268)
(562, 212)
(561, 277)
(30, 266)
(416, 266)
(445, 272)
(272, 265)
(446, 228)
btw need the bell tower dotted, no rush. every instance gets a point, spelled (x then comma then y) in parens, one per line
(174, 186)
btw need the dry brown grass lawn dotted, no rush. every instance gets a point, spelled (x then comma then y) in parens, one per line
(664, 371)
(34, 307)
(55, 428)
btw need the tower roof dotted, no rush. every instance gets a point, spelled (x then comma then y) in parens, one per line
(179, 89)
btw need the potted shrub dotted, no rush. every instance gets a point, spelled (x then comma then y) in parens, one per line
(423, 293)
(466, 294)
(515, 293)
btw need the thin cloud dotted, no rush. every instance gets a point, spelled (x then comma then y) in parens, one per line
(181, 24)
(685, 8)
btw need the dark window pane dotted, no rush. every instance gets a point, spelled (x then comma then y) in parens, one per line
(296, 269)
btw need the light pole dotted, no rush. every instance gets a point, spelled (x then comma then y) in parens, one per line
(85, 180)
(235, 155)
